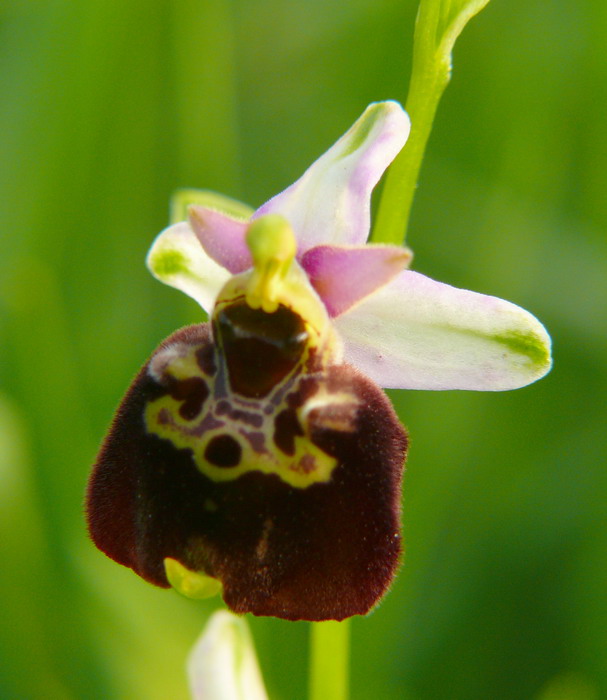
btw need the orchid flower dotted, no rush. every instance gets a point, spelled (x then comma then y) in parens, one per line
(257, 453)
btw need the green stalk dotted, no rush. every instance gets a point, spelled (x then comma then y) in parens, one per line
(329, 660)
(437, 26)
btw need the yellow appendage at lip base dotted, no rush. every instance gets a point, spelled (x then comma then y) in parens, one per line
(190, 583)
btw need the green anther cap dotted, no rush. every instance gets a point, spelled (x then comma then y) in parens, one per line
(272, 244)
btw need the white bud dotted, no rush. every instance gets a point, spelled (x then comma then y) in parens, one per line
(223, 664)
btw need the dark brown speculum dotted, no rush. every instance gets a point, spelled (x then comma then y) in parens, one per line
(244, 456)
(259, 348)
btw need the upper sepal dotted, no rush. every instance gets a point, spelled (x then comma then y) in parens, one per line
(331, 201)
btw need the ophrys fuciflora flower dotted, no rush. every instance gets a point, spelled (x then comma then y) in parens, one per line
(257, 454)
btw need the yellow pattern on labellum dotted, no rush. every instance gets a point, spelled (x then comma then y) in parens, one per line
(308, 465)
(246, 452)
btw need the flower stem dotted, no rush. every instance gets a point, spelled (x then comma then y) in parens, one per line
(329, 660)
(429, 77)
(438, 24)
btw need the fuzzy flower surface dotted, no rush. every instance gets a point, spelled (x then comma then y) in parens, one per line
(257, 453)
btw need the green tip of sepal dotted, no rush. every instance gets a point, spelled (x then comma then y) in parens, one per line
(534, 347)
(191, 584)
(167, 263)
(359, 132)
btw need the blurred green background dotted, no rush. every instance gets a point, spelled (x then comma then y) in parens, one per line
(106, 107)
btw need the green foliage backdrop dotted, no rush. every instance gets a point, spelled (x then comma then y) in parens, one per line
(106, 107)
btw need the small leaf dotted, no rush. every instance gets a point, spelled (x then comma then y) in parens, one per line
(454, 16)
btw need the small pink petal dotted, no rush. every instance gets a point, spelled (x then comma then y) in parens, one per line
(343, 276)
(331, 201)
(222, 237)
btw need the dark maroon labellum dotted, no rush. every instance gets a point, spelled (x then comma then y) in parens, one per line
(288, 493)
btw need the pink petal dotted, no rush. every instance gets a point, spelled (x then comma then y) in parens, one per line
(222, 237)
(416, 333)
(330, 203)
(343, 276)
